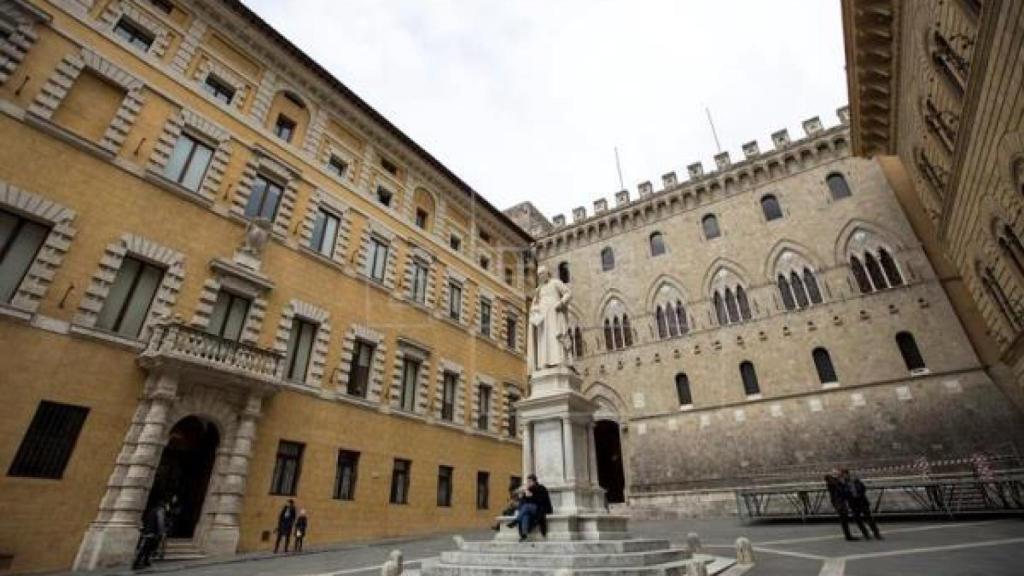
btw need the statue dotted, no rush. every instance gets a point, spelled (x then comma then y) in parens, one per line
(548, 343)
(257, 234)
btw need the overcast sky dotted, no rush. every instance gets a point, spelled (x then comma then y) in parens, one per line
(526, 100)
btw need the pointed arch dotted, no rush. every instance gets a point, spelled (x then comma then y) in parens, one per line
(786, 254)
(611, 404)
(873, 236)
(667, 281)
(718, 265)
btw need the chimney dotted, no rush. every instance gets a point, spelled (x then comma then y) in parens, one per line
(780, 139)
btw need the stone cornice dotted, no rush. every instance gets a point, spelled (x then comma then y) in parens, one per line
(871, 33)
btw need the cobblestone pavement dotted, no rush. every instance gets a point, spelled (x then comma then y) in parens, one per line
(990, 547)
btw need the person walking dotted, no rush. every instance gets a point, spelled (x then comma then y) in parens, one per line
(154, 528)
(534, 506)
(285, 521)
(301, 527)
(837, 494)
(860, 506)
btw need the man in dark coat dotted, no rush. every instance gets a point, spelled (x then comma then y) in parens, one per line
(534, 506)
(301, 527)
(860, 506)
(154, 528)
(837, 494)
(285, 521)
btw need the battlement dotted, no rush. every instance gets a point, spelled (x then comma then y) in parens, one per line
(750, 169)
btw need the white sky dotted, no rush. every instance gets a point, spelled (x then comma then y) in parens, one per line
(526, 99)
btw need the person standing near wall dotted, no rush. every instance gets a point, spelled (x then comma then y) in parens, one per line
(301, 527)
(285, 521)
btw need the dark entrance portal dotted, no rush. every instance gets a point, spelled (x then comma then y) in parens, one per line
(610, 474)
(184, 473)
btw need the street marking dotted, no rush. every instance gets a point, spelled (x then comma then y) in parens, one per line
(375, 567)
(889, 531)
(926, 550)
(833, 567)
(791, 553)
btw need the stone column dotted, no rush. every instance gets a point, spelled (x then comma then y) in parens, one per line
(527, 450)
(569, 447)
(229, 490)
(591, 455)
(111, 538)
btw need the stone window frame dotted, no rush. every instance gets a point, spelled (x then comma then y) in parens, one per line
(376, 230)
(200, 128)
(508, 389)
(375, 387)
(508, 309)
(113, 257)
(212, 287)
(62, 80)
(19, 20)
(48, 259)
(454, 277)
(113, 13)
(210, 67)
(260, 163)
(334, 148)
(318, 357)
(459, 414)
(404, 348)
(418, 255)
(323, 200)
(478, 315)
(481, 381)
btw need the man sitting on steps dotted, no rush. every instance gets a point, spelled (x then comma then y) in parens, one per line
(534, 506)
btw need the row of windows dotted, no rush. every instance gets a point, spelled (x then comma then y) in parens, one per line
(770, 206)
(822, 364)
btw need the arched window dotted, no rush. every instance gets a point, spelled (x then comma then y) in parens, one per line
(741, 298)
(837, 186)
(749, 376)
(673, 322)
(786, 293)
(617, 332)
(908, 349)
(998, 295)
(730, 306)
(710, 224)
(563, 272)
(607, 259)
(863, 284)
(657, 244)
(811, 283)
(627, 331)
(659, 316)
(875, 272)
(609, 344)
(892, 272)
(771, 207)
(684, 325)
(798, 290)
(720, 310)
(683, 390)
(1011, 247)
(823, 364)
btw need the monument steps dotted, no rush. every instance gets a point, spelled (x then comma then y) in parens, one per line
(566, 547)
(575, 561)
(677, 568)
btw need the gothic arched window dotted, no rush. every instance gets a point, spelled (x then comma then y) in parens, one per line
(811, 283)
(749, 376)
(786, 293)
(823, 364)
(720, 310)
(710, 224)
(863, 284)
(627, 331)
(837, 186)
(683, 390)
(741, 297)
(892, 272)
(798, 290)
(875, 272)
(657, 242)
(908, 349)
(659, 316)
(771, 207)
(607, 259)
(609, 343)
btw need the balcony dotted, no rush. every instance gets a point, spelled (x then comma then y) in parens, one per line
(212, 360)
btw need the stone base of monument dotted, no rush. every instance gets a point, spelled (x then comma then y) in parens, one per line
(571, 527)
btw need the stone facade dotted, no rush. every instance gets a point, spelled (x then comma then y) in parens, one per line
(106, 111)
(663, 298)
(936, 96)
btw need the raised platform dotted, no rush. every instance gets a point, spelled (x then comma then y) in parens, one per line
(572, 527)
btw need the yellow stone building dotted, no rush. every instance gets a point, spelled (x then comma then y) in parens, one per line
(225, 278)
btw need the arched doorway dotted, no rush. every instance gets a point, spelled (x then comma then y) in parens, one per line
(184, 473)
(610, 473)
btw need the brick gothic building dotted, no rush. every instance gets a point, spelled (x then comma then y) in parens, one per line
(225, 277)
(765, 321)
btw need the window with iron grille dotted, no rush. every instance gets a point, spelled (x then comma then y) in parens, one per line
(47, 445)
(287, 467)
(483, 489)
(445, 475)
(345, 478)
(401, 474)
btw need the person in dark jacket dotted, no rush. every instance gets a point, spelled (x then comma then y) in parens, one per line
(534, 506)
(285, 521)
(154, 528)
(301, 527)
(837, 494)
(860, 506)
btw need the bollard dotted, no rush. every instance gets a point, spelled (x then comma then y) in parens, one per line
(460, 542)
(393, 567)
(693, 543)
(697, 568)
(744, 551)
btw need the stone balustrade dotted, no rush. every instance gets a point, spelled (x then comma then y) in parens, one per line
(173, 341)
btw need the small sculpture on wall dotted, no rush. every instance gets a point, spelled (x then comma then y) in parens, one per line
(257, 234)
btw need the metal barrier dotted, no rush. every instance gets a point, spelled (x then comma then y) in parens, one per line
(999, 493)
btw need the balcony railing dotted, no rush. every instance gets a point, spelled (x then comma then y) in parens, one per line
(195, 348)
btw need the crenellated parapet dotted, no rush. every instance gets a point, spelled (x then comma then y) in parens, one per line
(819, 144)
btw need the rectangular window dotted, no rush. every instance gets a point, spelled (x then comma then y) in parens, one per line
(284, 128)
(454, 301)
(388, 166)
(455, 242)
(128, 301)
(337, 166)
(419, 282)
(510, 332)
(264, 199)
(345, 477)
(325, 233)
(300, 348)
(485, 317)
(483, 418)
(513, 419)
(510, 276)
(51, 437)
(445, 476)
(384, 196)
(228, 317)
(484, 236)
(20, 241)
(287, 468)
(485, 262)
(378, 260)
(133, 34)
(162, 5)
(400, 476)
(483, 489)
(410, 380)
(362, 363)
(421, 218)
(188, 162)
(219, 89)
(450, 387)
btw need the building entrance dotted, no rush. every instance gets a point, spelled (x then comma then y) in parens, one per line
(183, 474)
(610, 473)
